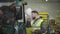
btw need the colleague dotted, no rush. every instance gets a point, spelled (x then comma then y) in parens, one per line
(37, 23)
(52, 26)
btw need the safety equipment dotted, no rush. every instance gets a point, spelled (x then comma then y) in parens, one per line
(37, 24)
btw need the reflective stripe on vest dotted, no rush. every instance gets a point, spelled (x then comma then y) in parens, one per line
(37, 25)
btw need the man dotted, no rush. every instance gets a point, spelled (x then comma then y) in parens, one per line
(28, 21)
(52, 26)
(37, 24)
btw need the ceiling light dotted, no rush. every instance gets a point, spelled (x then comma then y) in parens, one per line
(46, 0)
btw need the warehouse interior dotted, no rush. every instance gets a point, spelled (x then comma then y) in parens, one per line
(19, 12)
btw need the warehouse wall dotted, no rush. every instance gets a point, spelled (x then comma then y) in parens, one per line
(39, 5)
(5, 4)
(50, 7)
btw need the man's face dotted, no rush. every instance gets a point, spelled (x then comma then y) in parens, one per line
(34, 15)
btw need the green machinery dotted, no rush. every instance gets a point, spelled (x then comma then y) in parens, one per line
(19, 24)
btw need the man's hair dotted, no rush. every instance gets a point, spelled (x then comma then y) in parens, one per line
(34, 12)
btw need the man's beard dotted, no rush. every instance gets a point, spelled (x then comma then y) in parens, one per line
(33, 18)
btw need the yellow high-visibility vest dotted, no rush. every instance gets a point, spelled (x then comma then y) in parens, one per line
(37, 25)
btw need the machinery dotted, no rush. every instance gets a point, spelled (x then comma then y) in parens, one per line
(18, 25)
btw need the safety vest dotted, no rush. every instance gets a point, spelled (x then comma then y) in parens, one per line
(37, 25)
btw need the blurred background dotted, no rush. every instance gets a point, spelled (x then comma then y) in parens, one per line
(14, 15)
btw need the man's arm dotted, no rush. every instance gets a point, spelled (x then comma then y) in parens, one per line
(43, 27)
